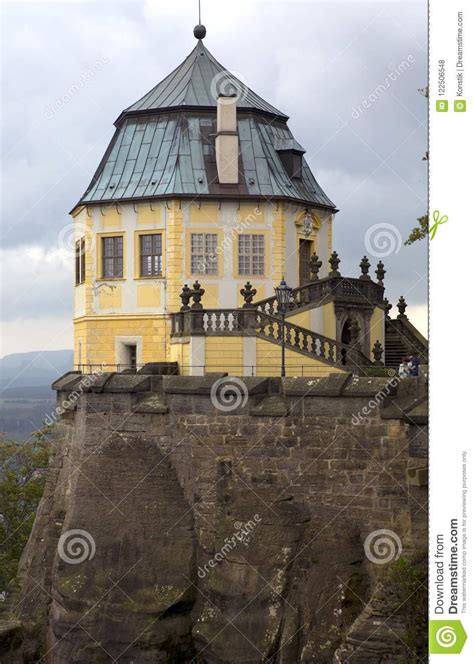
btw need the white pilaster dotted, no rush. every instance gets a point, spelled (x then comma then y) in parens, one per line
(249, 355)
(197, 356)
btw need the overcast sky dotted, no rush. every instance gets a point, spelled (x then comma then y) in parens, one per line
(69, 68)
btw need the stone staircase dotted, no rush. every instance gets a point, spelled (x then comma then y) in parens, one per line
(402, 338)
(306, 342)
(262, 319)
(395, 347)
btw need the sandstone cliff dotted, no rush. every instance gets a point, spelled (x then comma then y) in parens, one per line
(179, 528)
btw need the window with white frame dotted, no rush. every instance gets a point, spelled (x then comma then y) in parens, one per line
(251, 254)
(204, 253)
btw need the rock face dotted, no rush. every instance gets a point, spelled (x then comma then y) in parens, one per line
(180, 526)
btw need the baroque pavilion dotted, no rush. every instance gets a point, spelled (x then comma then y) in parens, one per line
(201, 203)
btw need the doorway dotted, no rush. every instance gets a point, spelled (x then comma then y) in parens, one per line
(345, 339)
(305, 250)
(128, 353)
(132, 357)
(346, 332)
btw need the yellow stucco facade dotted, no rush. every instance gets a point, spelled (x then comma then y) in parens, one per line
(131, 310)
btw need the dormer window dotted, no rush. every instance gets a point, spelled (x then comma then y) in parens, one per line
(291, 155)
(292, 163)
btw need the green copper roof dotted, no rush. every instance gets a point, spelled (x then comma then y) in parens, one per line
(164, 144)
(173, 154)
(198, 82)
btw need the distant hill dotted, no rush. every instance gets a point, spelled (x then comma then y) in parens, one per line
(36, 369)
(26, 397)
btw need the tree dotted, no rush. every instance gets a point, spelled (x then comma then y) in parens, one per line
(420, 231)
(22, 478)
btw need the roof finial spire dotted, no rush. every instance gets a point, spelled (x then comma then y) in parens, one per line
(199, 30)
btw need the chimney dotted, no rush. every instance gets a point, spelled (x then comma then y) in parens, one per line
(227, 140)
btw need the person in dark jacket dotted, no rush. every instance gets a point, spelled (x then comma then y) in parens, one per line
(414, 365)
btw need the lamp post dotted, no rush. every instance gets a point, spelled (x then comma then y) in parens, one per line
(284, 295)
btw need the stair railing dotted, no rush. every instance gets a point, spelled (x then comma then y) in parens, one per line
(308, 342)
(239, 322)
(410, 335)
(326, 289)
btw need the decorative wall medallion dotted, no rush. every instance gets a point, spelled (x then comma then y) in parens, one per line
(307, 225)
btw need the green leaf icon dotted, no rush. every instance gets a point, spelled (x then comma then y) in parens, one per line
(447, 637)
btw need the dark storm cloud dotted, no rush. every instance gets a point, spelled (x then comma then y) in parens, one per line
(69, 69)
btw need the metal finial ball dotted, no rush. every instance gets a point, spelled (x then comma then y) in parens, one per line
(200, 31)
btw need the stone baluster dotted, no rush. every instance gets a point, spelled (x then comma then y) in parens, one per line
(271, 330)
(305, 341)
(226, 322)
(326, 350)
(297, 338)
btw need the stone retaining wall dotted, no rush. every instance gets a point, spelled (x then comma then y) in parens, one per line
(228, 519)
